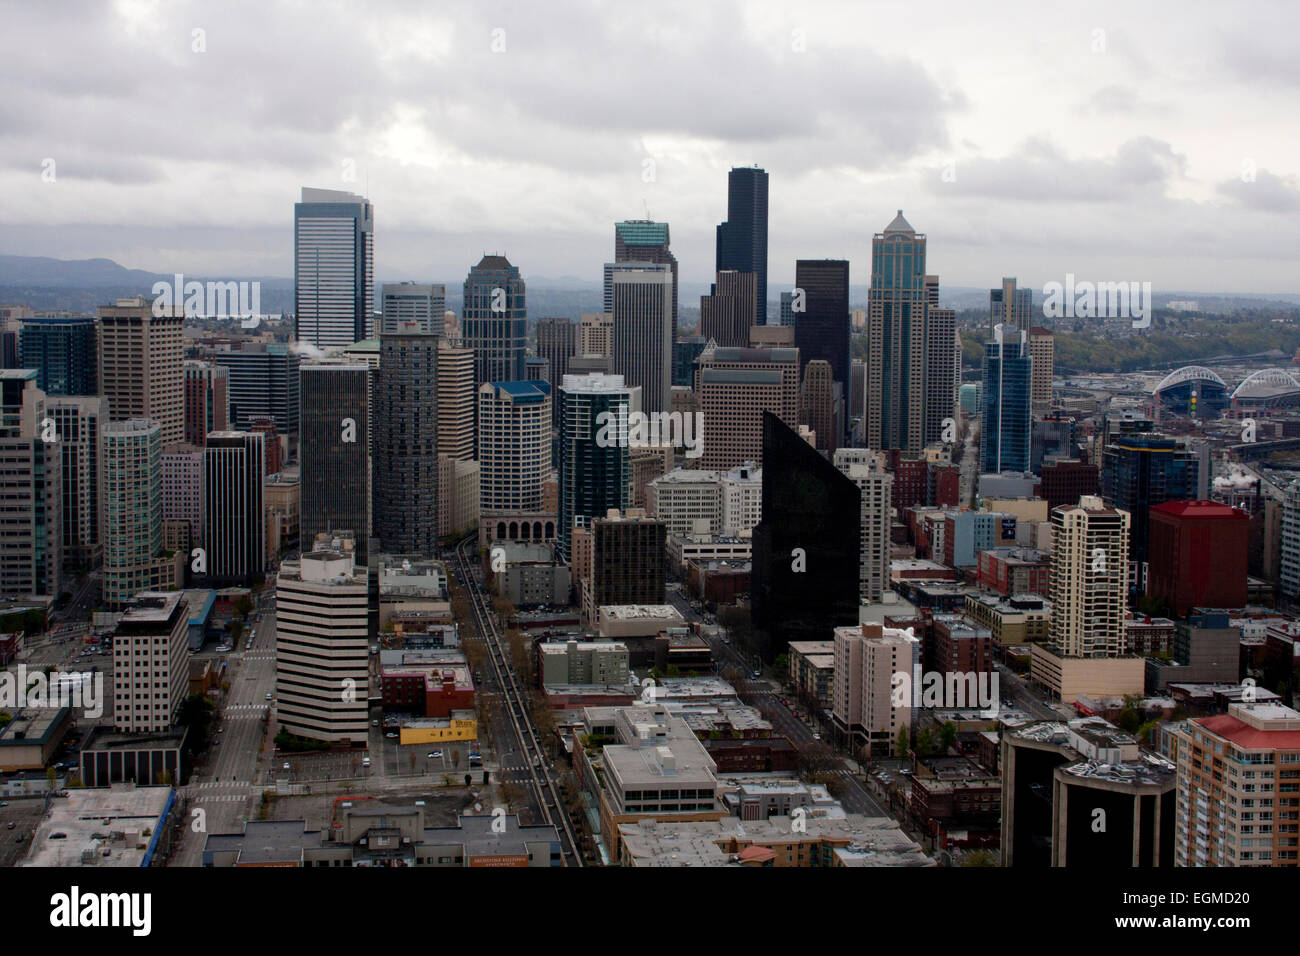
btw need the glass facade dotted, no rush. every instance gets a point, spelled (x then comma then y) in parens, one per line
(1007, 400)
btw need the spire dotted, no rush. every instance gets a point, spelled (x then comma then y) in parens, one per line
(900, 225)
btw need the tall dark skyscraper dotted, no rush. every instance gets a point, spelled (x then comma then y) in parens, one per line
(64, 350)
(807, 547)
(1142, 470)
(405, 465)
(234, 509)
(557, 343)
(640, 240)
(594, 469)
(494, 321)
(1006, 402)
(742, 239)
(333, 266)
(263, 383)
(821, 330)
(335, 485)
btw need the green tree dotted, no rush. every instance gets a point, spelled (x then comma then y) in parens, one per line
(924, 743)
(947, 736)
(901, 744)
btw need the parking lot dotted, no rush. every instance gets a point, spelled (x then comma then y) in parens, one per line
(388, 758)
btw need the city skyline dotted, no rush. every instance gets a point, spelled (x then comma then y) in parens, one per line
(1103, 130)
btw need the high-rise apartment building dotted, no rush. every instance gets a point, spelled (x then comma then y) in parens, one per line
(131, 509)
(335, 485)
(742, 239)
(734, 388)
(514, 444)
(1289, 542)
(639, 240)
(494, 321)
(594, 468)
(151, 663)
(942, 365)
(207, 400)
(182, 488)
(423, 303)
(727, 312)
(1006, 396)
(867, 656)
(642, 333)
(1042, 349)
(1239, 788)
(334, 267)
(77, 421)
(1088, 582)
(141, 364)
(322, 653)
(31, 537)
(405, 467)
(865, 469)
(234, 506)
(64, 350)
(457, 398)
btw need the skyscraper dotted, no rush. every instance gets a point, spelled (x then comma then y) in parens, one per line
(734, 388)
(422, 303)
(1006, 396)
(457, 398)
(594, 468)
(742, 239)
(596, 330)
(31, 541)
(130, 507)
(942, 364)
(263, 383)
(557, 342)
(865, 469)
(64, 350)
(494, 322)
(514, 445)
(817, 404)
(1042, 348)
(896, 328)
(639, 240)
(234, 507)
(141, 364)
(1088, 582)
(405, 472)
(642, 336)
(207, 400)
(78, 420)
(1140, 471)
(821, 329)
(335, 486)
(322, 646)
(1010, 306)
(334, 266)
(807, 547)
(727, 312)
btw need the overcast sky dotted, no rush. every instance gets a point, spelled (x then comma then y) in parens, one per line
(1127, 141)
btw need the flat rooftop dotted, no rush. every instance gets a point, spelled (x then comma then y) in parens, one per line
(123, 820)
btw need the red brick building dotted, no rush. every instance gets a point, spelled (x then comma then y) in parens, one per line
(1198, 555)
(1009, 571)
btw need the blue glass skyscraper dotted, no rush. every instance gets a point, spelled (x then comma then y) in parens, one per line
(1006, 402)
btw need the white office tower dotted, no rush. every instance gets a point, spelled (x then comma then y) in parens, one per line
(643, 331)
(334, 267)
(322, 656)
(423, 303)
(866, 470)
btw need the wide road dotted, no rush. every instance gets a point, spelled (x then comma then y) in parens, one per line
(229, 788)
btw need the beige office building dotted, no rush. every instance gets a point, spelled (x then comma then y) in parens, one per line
(151, 662)
(596, 335)
(865, 469)
(455, 402)
(734, 387)
(867, 657)
(1042, 354)
(142, 364)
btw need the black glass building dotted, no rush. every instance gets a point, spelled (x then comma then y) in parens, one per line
(742, 239)
(494, 322)
(64, 350)
(821, 330)
(806, 548)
